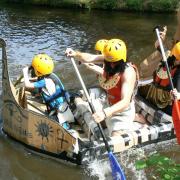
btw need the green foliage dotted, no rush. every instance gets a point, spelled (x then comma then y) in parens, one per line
(163, 166)
(40, 1)
(134, 4)
(105, 4)
(137, 5)
(141, 164)
(163, 5)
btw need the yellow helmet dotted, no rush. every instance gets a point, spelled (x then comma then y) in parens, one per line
(42, 64)
(99, 46)
(115, 50)
(176, 51)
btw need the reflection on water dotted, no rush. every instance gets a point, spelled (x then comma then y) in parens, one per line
(31, 30)
(18, 163)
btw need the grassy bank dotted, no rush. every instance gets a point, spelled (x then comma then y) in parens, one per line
(128, 5)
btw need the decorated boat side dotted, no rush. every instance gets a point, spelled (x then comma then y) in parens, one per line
(26, 120)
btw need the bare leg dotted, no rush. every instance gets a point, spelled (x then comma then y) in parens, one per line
(140, 118)
(117, 133)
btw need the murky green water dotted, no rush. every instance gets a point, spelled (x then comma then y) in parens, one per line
(31, 30)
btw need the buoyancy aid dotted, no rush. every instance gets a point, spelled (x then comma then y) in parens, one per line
(161, 77)
(54, 100)
(113, 84)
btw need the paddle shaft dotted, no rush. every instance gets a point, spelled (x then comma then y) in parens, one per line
(117, 172)
(164, 57)
(90, 104)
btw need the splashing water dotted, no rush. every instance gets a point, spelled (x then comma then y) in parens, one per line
(99, 169)
(128, 159)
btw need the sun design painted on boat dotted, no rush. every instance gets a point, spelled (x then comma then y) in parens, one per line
(44, 130)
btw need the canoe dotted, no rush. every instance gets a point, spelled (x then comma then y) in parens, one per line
(25, 120)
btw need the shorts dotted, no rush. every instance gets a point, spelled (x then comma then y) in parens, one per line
(122, 121)
(64, 114)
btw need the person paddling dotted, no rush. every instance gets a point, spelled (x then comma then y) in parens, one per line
(50, 87)
(119, 79)
(99, 46)
(159, 93)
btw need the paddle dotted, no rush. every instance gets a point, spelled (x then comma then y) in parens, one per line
(176, 104)
(21, 77)
(117, 172)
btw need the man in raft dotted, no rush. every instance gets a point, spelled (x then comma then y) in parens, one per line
(159, 91)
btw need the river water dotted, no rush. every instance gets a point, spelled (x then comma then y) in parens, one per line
(30, 30)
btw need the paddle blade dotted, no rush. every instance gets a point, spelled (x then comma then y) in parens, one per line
(176, 118)
(117, 172)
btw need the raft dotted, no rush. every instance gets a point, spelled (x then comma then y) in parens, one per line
(25, 119)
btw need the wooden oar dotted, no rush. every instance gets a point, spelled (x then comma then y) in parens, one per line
(117, 172)
(176, 104)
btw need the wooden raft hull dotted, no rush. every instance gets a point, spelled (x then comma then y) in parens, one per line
(32, 127)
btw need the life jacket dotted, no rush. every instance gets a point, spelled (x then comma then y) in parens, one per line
(161, 77)
(53, 101)
(113, 84)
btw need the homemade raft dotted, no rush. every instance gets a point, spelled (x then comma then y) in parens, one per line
(25, 119)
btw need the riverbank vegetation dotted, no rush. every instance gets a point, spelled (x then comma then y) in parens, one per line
(126, 5)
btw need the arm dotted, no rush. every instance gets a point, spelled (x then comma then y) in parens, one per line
(176, 80)
(84, 57)
(95, 68)
(148, 65)
(162, 36)
(33, 79)
(27, 82)
(175, 93)
(177, 33)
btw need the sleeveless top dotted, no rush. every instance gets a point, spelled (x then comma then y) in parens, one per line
(114, 84)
